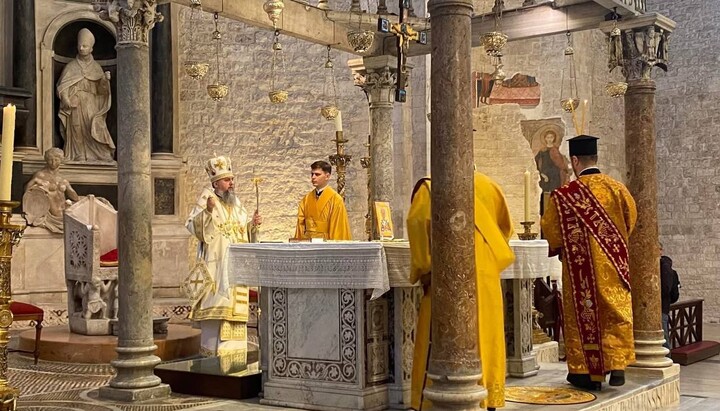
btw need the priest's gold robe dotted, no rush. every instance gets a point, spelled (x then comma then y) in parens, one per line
(493, 229)
(324, 217)
(613, 298)
(223, 309)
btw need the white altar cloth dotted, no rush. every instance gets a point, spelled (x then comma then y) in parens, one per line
(352, 265)
(531, 261)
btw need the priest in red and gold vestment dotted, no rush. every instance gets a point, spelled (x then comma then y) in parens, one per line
(493, 254)
(588, 222)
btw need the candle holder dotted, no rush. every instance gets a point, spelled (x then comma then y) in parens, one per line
(527, 234)
(10, 235)
(340, 161)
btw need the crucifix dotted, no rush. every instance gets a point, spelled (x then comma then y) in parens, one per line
(405, 33)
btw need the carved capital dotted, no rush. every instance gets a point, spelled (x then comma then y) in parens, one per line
(379, 85)
(638, 44)
(133, 19)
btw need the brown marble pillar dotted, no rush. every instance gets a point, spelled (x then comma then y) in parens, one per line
(455, 367)
(135, 379)
(644, 46)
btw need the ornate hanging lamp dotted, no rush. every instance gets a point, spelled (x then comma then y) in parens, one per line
(195, 66)
(219, 89)
(569, 100)
(615, 59)
(493, 42)
(274, 9)
(277, 95)
(330, 111)
(360, 40)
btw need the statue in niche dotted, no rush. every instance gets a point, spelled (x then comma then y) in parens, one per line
(94, 306)
(47, 194)
(551, 164)
(84, 91)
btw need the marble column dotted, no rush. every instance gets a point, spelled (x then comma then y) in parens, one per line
(644, 46)
(454, 367)
(135, 379)
(162, 84)
(376, 76)
(24, 75)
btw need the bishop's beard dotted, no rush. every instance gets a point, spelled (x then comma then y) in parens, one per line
(228, 197)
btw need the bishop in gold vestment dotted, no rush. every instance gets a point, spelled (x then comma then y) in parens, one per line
(493, 254)
(322, 213)
(222, 308)
(588, 222)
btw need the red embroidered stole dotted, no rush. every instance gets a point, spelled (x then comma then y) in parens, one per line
(581, 214)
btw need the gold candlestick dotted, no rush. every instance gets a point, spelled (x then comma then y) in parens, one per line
(340, 161)
(365, 162)
(527, 234)
(255, 230)
(10, 235)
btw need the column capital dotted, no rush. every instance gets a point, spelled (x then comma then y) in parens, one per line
(377, 76)
(638, 44)
(132, 19)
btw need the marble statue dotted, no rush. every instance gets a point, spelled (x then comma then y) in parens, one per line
(84, 92)
(93, 303)
(47, 194)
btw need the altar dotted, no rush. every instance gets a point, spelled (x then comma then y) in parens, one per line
(337, 323)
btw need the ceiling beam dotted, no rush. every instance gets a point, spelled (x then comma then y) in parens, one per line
(298, 20)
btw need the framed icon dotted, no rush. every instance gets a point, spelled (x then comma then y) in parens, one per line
(383, 220)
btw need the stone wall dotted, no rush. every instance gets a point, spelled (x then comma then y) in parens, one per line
(688, 117)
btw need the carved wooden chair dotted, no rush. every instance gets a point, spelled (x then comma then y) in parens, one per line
(29, 312)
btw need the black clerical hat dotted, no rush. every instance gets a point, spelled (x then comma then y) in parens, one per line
(583, 145)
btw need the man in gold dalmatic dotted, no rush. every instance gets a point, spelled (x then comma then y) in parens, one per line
(493, 229)
(587, 222)
(321, 213)
(218, 220)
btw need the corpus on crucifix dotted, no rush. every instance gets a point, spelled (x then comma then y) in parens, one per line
(405, 33)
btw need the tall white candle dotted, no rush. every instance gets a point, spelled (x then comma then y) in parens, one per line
(338, 121)
(526, 178)
(6, 160)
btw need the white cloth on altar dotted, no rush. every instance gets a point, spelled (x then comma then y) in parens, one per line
(353, 265)
(531, 261)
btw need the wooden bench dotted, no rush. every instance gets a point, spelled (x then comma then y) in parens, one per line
(29, 312)
(685, 324)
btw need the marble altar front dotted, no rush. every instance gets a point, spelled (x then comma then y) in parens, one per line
(333, 337)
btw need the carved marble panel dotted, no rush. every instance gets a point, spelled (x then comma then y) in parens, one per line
(284, 365)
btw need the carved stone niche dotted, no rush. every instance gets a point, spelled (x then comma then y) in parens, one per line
(90, 232)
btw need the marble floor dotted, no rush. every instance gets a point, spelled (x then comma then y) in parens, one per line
(60, 386)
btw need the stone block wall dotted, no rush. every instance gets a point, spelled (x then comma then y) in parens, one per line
(688, 148)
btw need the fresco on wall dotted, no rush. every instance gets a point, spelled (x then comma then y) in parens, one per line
(519, 89)
(545, 137)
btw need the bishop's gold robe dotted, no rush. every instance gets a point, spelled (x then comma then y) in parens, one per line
(493, 229)
(324, 217)
(613, 298)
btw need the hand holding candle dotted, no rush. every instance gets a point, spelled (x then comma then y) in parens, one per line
(338, 121)
(6, 160)
(527, 195)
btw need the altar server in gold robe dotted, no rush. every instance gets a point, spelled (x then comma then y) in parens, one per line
(493, 229)
(218, 220)
(322, 213)
(588, 222)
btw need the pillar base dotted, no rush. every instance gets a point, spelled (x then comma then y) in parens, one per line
(650, 353)
(135, 394)
(522, 367)
(134, 367)
(455, 393)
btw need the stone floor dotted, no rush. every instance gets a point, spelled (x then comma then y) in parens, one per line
(59, 386)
